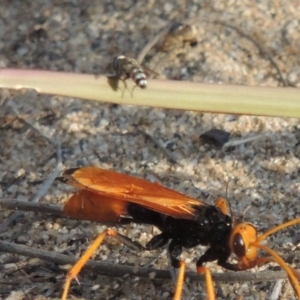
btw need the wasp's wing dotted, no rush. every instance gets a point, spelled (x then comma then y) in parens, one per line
(87, 205)
(122, 187)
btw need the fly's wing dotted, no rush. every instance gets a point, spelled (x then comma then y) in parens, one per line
(125, 66)
(121, 187)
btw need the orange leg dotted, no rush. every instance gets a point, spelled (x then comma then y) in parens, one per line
(209, 282)
(277, 228)
(293, 275)
(72, 274)
(209, 285)
(180, 281)
(119, 239)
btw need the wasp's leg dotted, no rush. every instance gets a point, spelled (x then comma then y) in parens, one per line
(72, 274)
(174, 251)
(211, 254)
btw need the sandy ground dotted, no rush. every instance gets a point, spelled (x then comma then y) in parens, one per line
(241, 42)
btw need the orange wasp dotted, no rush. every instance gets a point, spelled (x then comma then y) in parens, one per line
(109, 197)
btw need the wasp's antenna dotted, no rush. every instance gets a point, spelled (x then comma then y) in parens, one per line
(244, 212)
(227, 198)
(227, 184)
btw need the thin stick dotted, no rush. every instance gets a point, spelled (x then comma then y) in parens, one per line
(14, 204)
(42, 191)
(151, 43)
(159, 146)
(49, 181)
(114, 270)
(257, 44)
(31, 125)
(277, 289)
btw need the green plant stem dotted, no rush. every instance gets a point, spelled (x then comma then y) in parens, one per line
(184, 95)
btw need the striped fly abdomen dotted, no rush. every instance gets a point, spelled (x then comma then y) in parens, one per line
(127, 67)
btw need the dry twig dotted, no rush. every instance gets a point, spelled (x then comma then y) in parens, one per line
(109, 269)
(44, 188)
(276, 291)
(260, 47)
(114, 270)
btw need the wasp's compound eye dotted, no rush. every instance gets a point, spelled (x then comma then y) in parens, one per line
(238, 245)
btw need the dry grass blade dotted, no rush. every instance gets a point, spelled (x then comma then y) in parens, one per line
(161, 93)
